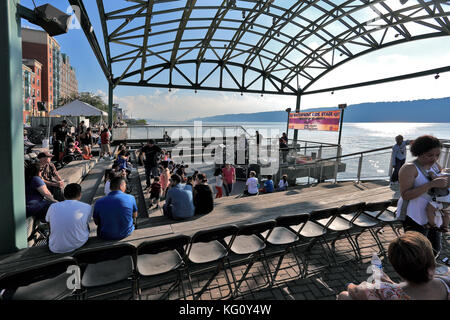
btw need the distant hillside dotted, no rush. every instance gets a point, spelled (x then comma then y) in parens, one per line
(432, 110)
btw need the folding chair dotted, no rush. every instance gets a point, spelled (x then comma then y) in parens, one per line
(206, 247)
(283, 236)
(105, 266)
(47, 281)
(380, 212)
(162, 257)
(314, 232)
(340, 228)
(248, 241)
(355, 214)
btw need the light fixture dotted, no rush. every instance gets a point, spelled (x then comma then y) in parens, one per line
(437, 76)
(170, 90)
(195, 90)
(403, 1)
(288, 110)
(332, 92)
(243, 14)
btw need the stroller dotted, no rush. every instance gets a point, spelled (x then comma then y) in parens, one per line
(72, 153)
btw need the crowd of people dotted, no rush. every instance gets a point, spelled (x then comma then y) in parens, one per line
(423, 207)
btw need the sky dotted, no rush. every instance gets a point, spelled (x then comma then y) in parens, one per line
(178, 105)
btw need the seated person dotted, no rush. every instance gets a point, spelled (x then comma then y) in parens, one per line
(155, 192)
(251, 188)
(268, 185)
(69, 221)
(203, 195)
(412, 257)
(51, 176)
(114, 214)
(189, 183)
(179, 201)
(283, 184)
(438, 209)
(38, 197)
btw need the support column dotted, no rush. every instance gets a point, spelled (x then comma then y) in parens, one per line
(110, 104)
(297, 109)
(13, 234)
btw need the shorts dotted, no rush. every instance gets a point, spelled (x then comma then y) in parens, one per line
(154, 195)
(106, 148)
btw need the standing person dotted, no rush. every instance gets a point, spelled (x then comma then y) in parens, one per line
(151, 155)
(166, 137)
(415, 184)
(114, 214)
(179, 201)
(60, 133)
(105, 143)
(81, 128)
(398, 157)
(203, 195)
(219, 182)
(165, 177)
(229, 178)
(50, 175)
(155, 193)
(69, 221)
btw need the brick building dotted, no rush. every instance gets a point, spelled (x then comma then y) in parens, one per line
(68, 78)
(32, 86)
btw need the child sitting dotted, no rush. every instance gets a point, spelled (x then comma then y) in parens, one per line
(251, 185)
(283, 184)
(155, 192)
(268, 185)
(109, 175)
(164, 177)
(438, 209)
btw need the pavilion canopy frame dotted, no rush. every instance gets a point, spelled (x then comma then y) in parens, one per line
(255, 46)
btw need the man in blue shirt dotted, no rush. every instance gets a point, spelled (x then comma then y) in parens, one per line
(179, 201)
(114, 213)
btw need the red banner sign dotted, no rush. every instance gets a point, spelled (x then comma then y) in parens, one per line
(322, 120)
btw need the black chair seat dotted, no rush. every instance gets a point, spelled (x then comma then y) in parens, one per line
(310, 230)
(362, 221)
(204, 252)
(386, 216)
(107, 272)
(338, 224)
(246, 244)
(50, 289)
(153, 264)
(280, 236)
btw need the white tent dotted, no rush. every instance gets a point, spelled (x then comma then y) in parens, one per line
(76, 109)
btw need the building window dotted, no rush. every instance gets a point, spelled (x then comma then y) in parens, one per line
(38, 72)
(38, 93)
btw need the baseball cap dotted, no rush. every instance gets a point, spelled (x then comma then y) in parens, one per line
(44, 154)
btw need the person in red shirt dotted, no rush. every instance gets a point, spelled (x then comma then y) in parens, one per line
(229, 178)
(105, 138)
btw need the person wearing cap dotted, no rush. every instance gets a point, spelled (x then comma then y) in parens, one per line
(50, 175)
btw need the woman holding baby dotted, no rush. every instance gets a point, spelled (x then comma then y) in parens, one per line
(416, 180)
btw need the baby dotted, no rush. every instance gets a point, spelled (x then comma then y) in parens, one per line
(438, 209)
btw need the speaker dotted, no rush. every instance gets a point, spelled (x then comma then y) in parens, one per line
(52, 20)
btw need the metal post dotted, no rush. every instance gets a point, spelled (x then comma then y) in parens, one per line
(13, 229)
(342, 107)
(390, 166)
(110, 104)
(297, 109)
(360, 167)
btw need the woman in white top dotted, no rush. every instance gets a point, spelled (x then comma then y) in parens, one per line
(414, 187)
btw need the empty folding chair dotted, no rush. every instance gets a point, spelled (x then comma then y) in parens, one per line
(283, 237)
(47, 281)
(206, 247)
(248, 241)
(107, 266)
(338, 228)
(355, 214)
(161, 257)
(378, 210)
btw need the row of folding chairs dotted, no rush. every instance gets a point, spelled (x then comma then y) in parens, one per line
(108, 270)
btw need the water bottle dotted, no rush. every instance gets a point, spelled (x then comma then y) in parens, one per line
(377, 268)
